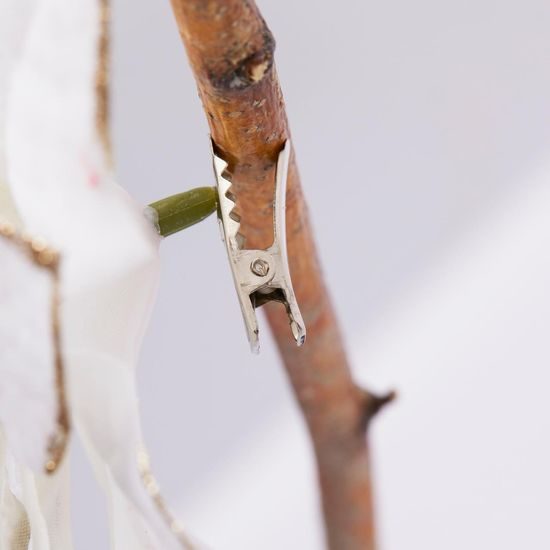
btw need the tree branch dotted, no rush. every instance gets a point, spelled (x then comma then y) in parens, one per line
(231, 52)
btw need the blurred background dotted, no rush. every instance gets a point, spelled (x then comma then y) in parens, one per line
(423, 135)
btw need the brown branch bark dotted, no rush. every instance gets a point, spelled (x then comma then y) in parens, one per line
(231, 52)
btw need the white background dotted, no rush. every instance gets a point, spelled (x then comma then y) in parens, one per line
(422, 131)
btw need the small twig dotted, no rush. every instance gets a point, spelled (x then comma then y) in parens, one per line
(231, 52)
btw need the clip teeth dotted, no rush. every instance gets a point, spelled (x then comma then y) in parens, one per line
(228, 201)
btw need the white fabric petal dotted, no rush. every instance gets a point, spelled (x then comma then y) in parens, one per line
(46, 501)
(15, 16)
(28, 396)
(109, 273)
(30, 405)
(14, 523)
(26, 347)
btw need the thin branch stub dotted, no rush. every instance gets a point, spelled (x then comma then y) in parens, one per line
(372, 404)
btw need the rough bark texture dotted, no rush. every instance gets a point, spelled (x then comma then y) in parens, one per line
(231, 53)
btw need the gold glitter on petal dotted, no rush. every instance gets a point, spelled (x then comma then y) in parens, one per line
(152, 488)
(102, 78)
(7, 229)
(45, 257)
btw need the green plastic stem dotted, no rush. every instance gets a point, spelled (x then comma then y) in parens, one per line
(183, 210)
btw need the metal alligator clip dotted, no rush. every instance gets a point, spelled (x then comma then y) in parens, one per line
(260, 276)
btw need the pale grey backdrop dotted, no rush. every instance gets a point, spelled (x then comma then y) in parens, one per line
(411, 121)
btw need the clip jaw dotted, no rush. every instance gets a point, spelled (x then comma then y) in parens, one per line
(260, 276)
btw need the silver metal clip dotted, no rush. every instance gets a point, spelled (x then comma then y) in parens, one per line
(260, 276)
